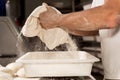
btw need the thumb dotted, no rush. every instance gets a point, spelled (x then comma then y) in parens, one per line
(49, 8)
(45, 4)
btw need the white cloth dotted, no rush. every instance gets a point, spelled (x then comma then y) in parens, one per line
(51, 37)
(110, 43)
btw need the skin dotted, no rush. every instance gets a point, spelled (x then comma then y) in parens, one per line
(86, 22)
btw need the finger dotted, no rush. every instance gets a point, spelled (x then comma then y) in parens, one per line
(49, 8)
(45, 4)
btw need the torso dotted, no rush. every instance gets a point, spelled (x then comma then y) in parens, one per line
(110, 44)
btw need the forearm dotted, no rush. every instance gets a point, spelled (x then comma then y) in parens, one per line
(84, 33)
(102, 17)
(93, 19)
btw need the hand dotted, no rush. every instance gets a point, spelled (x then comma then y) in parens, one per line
(49, 18)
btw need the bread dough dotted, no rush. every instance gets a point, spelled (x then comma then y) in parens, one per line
(21, 72)
(6, 70)
(51, 37)
(14, 66)
(5, 76)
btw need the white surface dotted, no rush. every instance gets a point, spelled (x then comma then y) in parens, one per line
(68, 63)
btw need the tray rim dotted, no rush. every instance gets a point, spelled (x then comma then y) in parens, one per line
(54, 61)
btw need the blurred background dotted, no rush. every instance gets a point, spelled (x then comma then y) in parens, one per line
(13, 14)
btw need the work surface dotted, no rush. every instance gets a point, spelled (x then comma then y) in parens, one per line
(55, 78)
(96, 75)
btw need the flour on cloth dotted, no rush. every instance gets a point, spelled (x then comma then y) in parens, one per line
(51, 37)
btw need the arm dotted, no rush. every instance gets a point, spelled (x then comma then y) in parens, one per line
(89, 20)
(84, 33)
(102, 17)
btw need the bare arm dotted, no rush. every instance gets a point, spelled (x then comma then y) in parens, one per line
(84, 33)
(102, 17)
(89, 20)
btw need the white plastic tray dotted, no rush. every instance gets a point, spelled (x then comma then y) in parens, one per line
(67, 63)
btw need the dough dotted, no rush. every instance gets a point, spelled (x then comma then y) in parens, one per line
(6, 70)
(51, 37)
(5, 76)
(21, 72)
(14, 66)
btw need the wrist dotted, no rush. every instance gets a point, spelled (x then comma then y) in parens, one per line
(59, 20)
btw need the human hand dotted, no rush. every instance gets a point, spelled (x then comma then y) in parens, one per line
(49, 18)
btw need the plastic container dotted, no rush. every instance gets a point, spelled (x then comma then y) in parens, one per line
(67, 63)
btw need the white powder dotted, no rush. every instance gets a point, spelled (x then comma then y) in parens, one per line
(71, 46)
